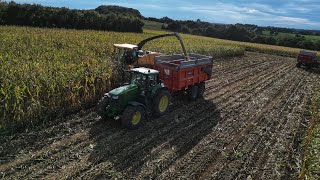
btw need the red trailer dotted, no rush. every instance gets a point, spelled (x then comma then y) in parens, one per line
(307, 59)
(179, 74)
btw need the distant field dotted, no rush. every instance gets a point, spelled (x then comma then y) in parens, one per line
(151, 25)
(309, 37)
(45, 72)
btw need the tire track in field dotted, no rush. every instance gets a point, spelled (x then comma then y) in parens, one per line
(228, 107)
(32, 162)
(166, 131)
(237, 138)
(132, 145)
(243, 97)
(230, 65)
(199, 148)
(256, 137)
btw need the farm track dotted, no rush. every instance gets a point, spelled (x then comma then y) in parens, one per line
(249, 125)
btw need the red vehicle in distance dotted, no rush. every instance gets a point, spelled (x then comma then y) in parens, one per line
(307, 59)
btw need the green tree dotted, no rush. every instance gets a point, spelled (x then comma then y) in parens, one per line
(306, 44)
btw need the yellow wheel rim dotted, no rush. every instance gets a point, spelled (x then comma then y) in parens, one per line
(164, 102)
(136, 118)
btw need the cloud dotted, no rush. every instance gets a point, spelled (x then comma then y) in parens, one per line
(295, 20)
(254, 13)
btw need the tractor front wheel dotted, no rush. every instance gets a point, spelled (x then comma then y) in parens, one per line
(161, 103)
(133, 117)
(308, 66)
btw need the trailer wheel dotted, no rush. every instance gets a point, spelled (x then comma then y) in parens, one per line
(308, 66)
(193, 92)
(133, 117)
(161, 103)
(101, 108)
(298, 65)
(201, 89)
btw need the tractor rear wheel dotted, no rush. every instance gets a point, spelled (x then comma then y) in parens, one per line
(193, 92)
(201, 89)
(161, 102)
(133, 117)
(101, 108)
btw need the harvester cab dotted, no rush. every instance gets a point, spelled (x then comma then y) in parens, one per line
(125, 54)
(129, 55)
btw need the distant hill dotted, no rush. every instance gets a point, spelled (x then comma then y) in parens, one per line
(119, 11)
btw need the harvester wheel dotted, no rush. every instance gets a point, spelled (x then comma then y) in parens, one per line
(201, 89)
(133, 117)
(298, 65)
(101, 108)
(161, 103)
(193, 92)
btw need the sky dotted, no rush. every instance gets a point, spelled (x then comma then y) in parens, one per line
(301, 14)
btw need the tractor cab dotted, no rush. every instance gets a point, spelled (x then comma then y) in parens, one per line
(144, 78)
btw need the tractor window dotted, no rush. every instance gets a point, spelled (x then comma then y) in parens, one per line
(153, 80)
(119, 55)
(139, 79)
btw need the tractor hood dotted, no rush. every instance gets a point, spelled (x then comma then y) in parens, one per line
(123, 90)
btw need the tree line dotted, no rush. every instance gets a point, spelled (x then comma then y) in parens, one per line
(110, 18)
(244, 33)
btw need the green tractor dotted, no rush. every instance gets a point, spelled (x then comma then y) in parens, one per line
(144, 94)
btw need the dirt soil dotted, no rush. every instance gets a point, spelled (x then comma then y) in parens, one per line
(250, 125)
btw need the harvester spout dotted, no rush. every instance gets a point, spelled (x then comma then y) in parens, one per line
(142, 43)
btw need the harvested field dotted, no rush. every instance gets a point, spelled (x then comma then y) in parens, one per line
(249, 125)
